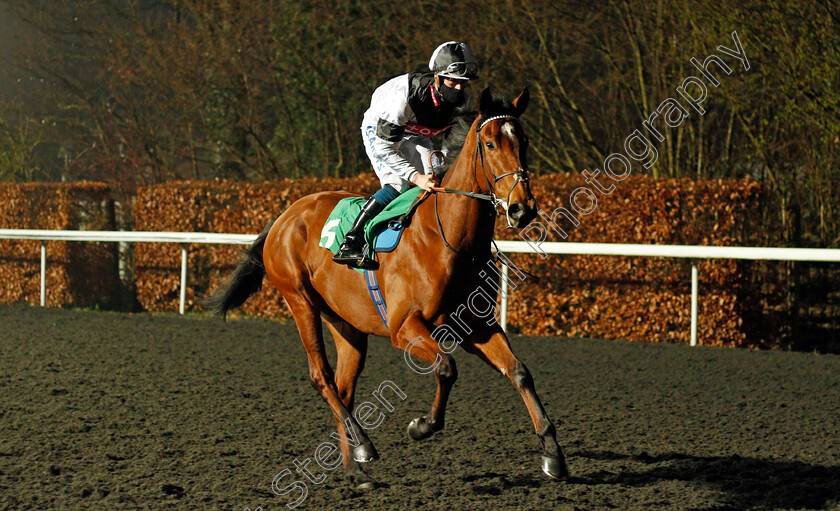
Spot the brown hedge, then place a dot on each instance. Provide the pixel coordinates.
(643, 299)
(78, 274)
(220, 206)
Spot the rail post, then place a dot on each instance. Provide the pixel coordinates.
(183, 279)
(694, 303)
(504, 290)
(43, 273)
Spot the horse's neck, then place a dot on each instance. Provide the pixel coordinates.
(467, 223)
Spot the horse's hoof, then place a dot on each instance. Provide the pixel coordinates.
(364, 453)
(420, 429)
(555, 467)
(361, 480)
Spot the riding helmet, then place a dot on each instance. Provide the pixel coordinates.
(454, 60)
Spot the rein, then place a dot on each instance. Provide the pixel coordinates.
(471, 195)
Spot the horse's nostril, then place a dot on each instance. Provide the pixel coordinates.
(530, 214)
(516, 210)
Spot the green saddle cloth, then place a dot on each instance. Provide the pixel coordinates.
(342, 217)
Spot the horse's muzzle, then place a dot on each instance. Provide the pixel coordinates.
(521, 214)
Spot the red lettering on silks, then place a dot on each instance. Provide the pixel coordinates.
(423, 130)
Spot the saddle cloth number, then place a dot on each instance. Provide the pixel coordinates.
(327, 232)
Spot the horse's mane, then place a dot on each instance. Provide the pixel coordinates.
(456, 136)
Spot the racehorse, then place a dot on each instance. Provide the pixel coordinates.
(424, 281)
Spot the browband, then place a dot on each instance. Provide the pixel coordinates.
(494, 118)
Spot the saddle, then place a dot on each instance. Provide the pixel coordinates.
(383, 232)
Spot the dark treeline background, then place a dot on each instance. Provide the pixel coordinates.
(133, 92)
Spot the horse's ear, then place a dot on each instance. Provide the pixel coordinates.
(521, 102)
(486, 98)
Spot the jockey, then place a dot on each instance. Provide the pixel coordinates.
(405, 113)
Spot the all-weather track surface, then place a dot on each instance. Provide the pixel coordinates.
(118, 411)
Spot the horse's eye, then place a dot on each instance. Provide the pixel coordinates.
(490, 145)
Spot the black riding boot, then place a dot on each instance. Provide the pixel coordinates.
(352, 251)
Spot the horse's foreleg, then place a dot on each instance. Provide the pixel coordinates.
(415, 338)
(351, 345)
(495, 351)
(322, 378)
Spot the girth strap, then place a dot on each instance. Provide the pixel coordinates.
(376, 296)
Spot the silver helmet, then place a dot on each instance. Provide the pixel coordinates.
(454, 60)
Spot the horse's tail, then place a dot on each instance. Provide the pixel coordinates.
(245, 281)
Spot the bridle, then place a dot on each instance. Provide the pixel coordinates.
(520, 174)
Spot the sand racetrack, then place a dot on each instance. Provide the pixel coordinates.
(118, 411)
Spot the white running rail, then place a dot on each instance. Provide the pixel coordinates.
(184, 238)
(615, 249)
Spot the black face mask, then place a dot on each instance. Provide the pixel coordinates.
(454, 96)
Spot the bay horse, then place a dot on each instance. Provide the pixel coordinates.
(424, 281)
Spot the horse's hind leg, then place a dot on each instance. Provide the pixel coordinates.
(351, 345)
(494, 349)
(304, 307)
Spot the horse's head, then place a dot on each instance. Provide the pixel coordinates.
(501, 147)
